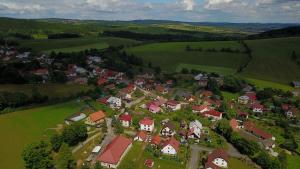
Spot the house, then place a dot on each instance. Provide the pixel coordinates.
(168, 129)
(161, 89)
(251, 128)
(125, 119)
(203, 82)
(199, 76)
(173, 105)
(170, 147)
(169, 83)
(153, 108)
(114, 152)
(242, 116)
(291, 113)
(149, 163)
(257, 108)
(252, 96)
(140, 82)
(268, 144)
(234, 125)
(213, 114)
(140, 136)
(114, 102)
(206, 94)
(74, 118)
(296, 84)
(95, 118)
(146, 124)
(243, 99)
(101, 81)
(217, 159)
(200, 108)
(195, 128)
(191, 98)
(155, 140)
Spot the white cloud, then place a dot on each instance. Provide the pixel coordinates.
(216, 4)
(189, 5)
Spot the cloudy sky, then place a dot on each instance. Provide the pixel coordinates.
(283, 11)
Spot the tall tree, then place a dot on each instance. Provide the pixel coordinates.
(38, 156)
(65, 159)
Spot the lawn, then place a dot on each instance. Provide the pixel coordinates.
(272, 60)
(170, 55)
(74, 43)
(210, 69)
(293, 162)
(238, 164)
(137, 155)
(24, 127)
(264, 84)
(50, 90)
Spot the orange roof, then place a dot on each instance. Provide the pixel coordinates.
(97, 116)
(234, 124)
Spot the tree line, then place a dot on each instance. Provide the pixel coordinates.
(188, 48)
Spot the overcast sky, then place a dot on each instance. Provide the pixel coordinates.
(283, 11)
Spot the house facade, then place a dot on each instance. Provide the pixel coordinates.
(147, 124)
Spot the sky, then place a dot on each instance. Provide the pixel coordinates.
(259, 11)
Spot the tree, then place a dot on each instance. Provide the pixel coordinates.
(184, 71)
(56, 141)
(65, 159)
(157, 70)
(224, 128)
(283, 159)
(74, 133)
(38, 156)
(233, 84)
(212, 85)
(98, 165)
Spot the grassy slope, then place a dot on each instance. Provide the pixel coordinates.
(51, 90)
(170, 55)
(55, 44)
(238, 164)
(24, 127)
(272, 60)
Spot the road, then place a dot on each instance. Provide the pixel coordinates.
(137, 101)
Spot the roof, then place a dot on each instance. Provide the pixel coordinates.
(296, 83)
(96, 149)
(199, 108)
(172, 102)
(146, 121)
(207, 93)
(142, 135)
(211, 165)
(101, 81)
(218, 153)
(149, 163)
(159, 88)
(154, 108)
(97, 116)
(172, 142)
(170, 125)
(114, 150)
(125, 117)
(213, 113)
(257, 106)
(252, 128)
(233, 124)
(156, 140)
(251, 95)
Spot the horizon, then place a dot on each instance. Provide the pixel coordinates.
(216, 11)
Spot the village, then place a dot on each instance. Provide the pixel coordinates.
(188, 120)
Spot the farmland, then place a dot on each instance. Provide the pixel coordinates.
(24, 127)
(170, 55)
(73, 45)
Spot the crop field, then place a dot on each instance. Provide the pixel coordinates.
(75, 44)
(170, 55)
(272, 60)
(24, 127)
(50, 90)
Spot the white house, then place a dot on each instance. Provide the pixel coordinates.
(170, 147)
(168, 129)
(257, 108)
(114, 102)
(195, 128)
(218, 158)
(173, 105)
(125, 119)
(243, 99)
(147, 124)
(75, 117)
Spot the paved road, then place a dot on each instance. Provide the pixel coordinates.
(194, 160)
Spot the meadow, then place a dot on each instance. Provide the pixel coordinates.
(24, 127)
(50, 90)
(169, 56)
(272, 60)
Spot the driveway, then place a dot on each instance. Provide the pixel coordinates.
(194, 160)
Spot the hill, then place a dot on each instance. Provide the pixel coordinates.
(277, 33)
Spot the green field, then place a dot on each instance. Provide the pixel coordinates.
(272, 60)
(23, 127)
(50, 90)
(80, 48)
(238, 164)
(293, 162)
(265, 84)
(75, 44)
(211, 69)
(169, 56)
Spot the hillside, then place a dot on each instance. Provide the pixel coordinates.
(276, 33)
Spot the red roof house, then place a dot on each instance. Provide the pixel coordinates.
(95, 118)
(149, 163)
(200, 108)
(170, 146)
(250, 127)
(215, 115)
(156, 140)
(101, 81)
(217, 159)
(125, 119)
(234, 124)
(114, 151)
(140, 136)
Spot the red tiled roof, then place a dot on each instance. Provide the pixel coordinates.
(243, 114)
(97, 116)
(173, 142)
(285, 107)
(159, 88)
(234, 124)
(207, 93)
(211, 165)
(142, 135)
(213, 113)
(114, 150)
(218, 153)
(156, 140)
(251, 95)
(249, 126)
(257, 106)
(125, 117)
(199, 108)
(101, 81)
(146, 121)
(172, 102)
(149, 163)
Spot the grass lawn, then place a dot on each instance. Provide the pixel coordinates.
(137, 156)
(24, 127)
(230, 96)
(272, 60)
(170, 55)
(238, 164)
(264, 84)
(211, 69)
(293, 162)
(50, 90)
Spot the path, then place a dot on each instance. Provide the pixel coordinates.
(194, 160)
(85, 142)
